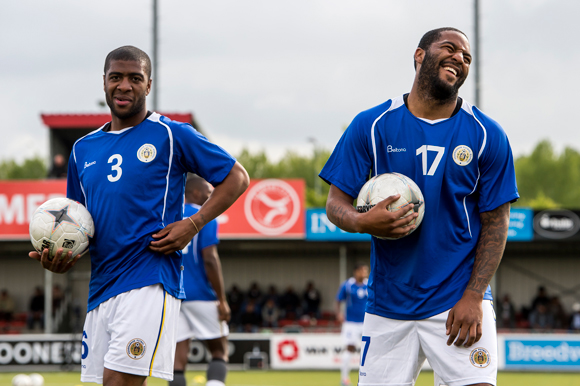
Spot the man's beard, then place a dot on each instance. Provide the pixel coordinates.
(432, 86)
(138, 106)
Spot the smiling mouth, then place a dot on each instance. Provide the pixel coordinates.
(451, 70)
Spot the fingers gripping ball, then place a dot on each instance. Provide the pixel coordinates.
(61, 223)
(382, 186)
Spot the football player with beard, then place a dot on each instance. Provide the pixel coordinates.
(429, 295)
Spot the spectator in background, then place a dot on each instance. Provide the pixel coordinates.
(541, 319)
(250, 318)
(311, 298)
(271, 294)
(58, 168)
(270, 313)
(235, 300)
(575, 318)
(36, 309)
(541, 298)
(507, 313)
(255, 293)
(290, 304)
(557, 310)
(57, 298)
(6, 306)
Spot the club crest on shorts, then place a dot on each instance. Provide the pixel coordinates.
(479, 357)
(462, 155)
(136, 348)
(146, 153)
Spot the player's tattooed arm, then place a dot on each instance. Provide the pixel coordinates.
(464, 322)
(490, 247)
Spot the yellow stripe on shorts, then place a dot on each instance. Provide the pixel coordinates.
(160, 332)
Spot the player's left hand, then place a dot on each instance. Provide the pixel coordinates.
(173, 237)
(465, 319)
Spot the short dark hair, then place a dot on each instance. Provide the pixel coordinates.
(129, 53)
(359, 265)
(432, 36)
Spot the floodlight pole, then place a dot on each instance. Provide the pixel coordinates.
(155, 64)
(476, 53)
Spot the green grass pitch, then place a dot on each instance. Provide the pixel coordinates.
(310, 378)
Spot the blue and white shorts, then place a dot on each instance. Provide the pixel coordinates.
(393, 352)
(133, 332)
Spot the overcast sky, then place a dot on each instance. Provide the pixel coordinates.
(272, 74)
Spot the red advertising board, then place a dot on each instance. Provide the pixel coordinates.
(269, 208)
(19, 200)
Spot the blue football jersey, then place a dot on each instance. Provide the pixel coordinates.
(132, 182)
(355, 297)
(195, 282)
(463, 165)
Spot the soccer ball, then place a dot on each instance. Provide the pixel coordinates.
(21, 380)
(37, 379)
(61, 223)
(384, 185)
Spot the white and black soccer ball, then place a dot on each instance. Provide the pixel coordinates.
(21, 380)
(382, 186)
(61, 223)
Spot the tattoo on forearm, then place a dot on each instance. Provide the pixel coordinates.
(490, 247)
(337, 213)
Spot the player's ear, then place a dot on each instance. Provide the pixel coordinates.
(419, 56)
(149, 86)
(104, 84)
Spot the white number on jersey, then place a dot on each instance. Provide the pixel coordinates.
(115, 167)
(423, 151)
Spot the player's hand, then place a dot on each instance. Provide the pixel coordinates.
(224, 312)
(379, 221)
(174, 237)
(340, 317)
(55, 265)
(465, 320)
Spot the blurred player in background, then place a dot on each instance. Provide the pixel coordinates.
(429, 294)
(130, 175)
(353, 292)
(204, 311)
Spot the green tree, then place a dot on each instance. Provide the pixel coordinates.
(549, 180)
(30, 169)
(292, 165)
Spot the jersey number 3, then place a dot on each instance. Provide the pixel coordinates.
(115, 167)
(423, 151)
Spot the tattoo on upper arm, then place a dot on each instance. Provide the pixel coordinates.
(490, 247)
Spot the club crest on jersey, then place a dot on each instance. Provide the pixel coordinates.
(479, 357)
(146, 153)
(462, 155)
(136, 348)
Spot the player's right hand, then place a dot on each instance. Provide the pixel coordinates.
(55, 265)
(340, 317)
(379, 221)
(224, 312)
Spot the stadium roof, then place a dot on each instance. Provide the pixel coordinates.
(94, 121)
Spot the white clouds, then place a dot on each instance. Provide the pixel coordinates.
(271, 74)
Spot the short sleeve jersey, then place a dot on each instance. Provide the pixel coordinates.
(355, 297)
(195, 281)
(132, 182)
(463, 166)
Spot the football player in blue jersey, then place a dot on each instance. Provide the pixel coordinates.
(353, 292)
(204, 311)
(130, 174)
(429, 295)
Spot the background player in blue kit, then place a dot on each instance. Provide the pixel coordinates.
(130, 174)
(353, 292)
(429, 293)
(204, 311)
